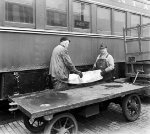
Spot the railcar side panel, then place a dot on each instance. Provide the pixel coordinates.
(25, 51)
(22, 51)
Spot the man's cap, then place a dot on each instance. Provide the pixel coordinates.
(64, 39)
(102, 46)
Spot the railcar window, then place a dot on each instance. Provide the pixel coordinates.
(146, 30)
(119, 22)
(19, 11)
(146, 20)
(56, 11)
(135, 20)
(81, 15)
(103, 20)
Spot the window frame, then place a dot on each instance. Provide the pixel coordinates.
(72, 21)
(131, 34)
(20, 24)
(59, 28)
(143, 16)
(115, 33)
(136, 15)
(1, 13)
(105, 32)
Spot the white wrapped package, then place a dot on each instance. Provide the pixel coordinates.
(88, 77)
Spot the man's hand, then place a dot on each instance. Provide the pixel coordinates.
(94, 68)
(103, 73)
(80, 74)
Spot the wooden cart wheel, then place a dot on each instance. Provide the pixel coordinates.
(62, 124)
(131, 107)
(37, 125)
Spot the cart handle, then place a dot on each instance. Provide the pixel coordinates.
(138, 71)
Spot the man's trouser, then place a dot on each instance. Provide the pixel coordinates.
(59, 85)
(108, 77)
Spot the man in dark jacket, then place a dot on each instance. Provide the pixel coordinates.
(61, 65)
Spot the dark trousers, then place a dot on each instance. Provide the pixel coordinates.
(59, 85)
(108, 77)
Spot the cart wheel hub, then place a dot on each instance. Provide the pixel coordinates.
(64, 131)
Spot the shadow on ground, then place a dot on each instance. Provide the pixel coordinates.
(7, 117)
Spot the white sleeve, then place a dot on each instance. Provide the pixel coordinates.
(111, 64)
(96, 60)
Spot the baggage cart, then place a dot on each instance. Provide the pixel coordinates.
(53, 113)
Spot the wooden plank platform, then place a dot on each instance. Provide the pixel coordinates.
(43, 103)
(17, 127)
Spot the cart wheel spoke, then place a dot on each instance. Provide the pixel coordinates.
(134, 106)
(33, 123)
(60, 124)
(70, 127)
(56, 129)
(65, 122)
(39, 123)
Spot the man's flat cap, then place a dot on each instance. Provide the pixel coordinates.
(64, 39)
(102, 47)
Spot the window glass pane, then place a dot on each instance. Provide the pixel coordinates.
(119, 22)
(19, 11)
(146, 30)
(135, 20)
(146, 20)
(104, 20)
(56, 11)
(81, 13)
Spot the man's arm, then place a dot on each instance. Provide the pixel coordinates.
(68, 62)
(94, 66)
(111, 64)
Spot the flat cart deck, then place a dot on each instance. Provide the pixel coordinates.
(44, 105)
